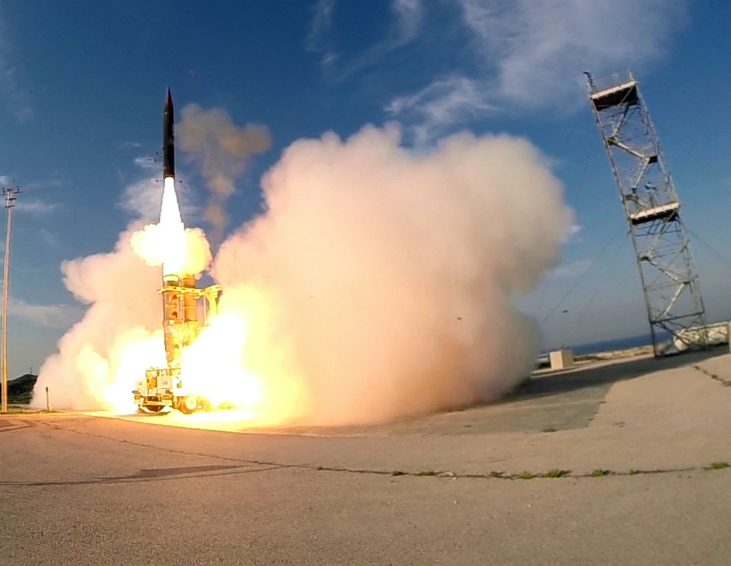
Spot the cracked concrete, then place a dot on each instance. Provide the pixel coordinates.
(632, 457)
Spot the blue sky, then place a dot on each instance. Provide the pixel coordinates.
(82, 86)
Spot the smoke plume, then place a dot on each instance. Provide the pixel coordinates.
(390, 275)
(123, 311)
(376, 284)
(103, 355)
(222, 150)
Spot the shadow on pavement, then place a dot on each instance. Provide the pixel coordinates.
(606, 373)
(159, 474)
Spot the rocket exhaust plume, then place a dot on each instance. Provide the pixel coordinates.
(376, 284)
(389, 277)
(222, 150)
(120, 337)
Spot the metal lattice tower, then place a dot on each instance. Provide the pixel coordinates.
(667, 272)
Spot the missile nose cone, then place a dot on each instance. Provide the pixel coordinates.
(169, 100)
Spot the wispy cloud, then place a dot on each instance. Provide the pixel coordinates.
(443, 103)
(50, 238)
(36, 207)
(530, 54)
(13, 95)
(143, 196)
(574, 269)
(15, 98)
(44, 184)
(146, 162)
(574, 235)
(407, 16)
(319, 24)
(536, 50)
(48, 316)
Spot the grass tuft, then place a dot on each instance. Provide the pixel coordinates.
(549, 429)
(719, 465)
(556, 473)
(426, 473)
(598, 473)
(526, 475)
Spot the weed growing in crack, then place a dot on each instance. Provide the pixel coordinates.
(398, 473)
(556, 473)
(719, 466)
(526, 475)
(426, 473)
(495, 474)
(598, 473)
(549, 429)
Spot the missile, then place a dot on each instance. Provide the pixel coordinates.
(168, 142)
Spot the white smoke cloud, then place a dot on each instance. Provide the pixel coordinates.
(390, 276)
(377, 284)
(124, 308)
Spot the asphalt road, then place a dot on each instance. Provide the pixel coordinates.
(80, 490)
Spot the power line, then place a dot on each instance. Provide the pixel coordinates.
(583, 275)
(603, 282)
(710, 248)
(693, 156)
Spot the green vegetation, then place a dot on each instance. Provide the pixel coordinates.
(398, 473)
(634, 472)
(526, 475)
(719, 465)
(549, 429)
(426, 473)
(598, 473)
(556, 473)
(20, 390)
(495, 474)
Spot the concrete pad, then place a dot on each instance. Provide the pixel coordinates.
(82, 497)
(87, 490)
(668, 419)
(718, 368)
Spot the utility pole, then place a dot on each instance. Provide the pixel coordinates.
(10, 196)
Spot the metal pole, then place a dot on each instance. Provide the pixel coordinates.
(48, 399)
(9, 204)
(5, 311)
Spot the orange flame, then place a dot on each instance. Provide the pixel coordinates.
(214, 366)
(168, 243)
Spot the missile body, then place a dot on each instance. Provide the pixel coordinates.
(168, 142)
